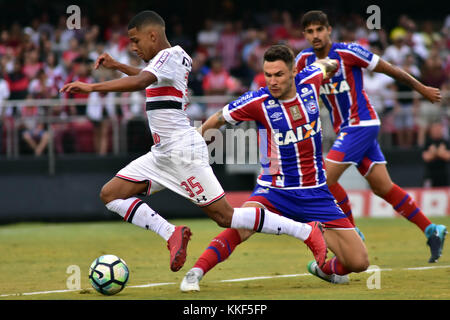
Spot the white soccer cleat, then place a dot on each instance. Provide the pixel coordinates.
(334, 278)
(191, 280)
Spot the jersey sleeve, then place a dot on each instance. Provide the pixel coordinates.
(242, 109)
(356, 55)
(161, 66)
(312, 74)
(300, 61)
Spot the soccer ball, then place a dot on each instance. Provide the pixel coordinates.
(108, 274)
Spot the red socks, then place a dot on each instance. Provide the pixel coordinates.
(218, 250)
(397, 197)
(334, 266)
(406, 206)
(342, 199)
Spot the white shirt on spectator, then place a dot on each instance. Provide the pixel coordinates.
(209, 39)
(96, 104)
(4, 90)
(376, 86)
(396, 55)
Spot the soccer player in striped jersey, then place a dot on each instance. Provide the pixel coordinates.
(292, 182)
(357, 124)
(178, 160)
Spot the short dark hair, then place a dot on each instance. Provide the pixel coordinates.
(313, 17)
(280, 52)
(145, 18)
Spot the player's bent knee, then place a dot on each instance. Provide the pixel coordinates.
(359, 264)
(361, 267)
(106, 194)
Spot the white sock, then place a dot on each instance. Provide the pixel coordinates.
(137, 212)
(262, 220)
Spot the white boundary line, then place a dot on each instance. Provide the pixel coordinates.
(369, 270)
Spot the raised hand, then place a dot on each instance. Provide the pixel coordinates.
(106, 61)
(76, 87)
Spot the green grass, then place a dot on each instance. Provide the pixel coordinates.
(35, 257)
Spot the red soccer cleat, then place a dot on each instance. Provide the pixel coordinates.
(177, 245)
(316, 243)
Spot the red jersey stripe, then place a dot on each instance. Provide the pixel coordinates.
(163, 91)
(354, 112)
(337, 118)
(305, 147)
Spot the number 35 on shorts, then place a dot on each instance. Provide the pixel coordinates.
(193, 188)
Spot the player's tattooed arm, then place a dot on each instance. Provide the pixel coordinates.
(430, 93)
(214, 122)
(330, 66)
(220, 118)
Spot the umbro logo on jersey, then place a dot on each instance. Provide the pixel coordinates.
(276, 116)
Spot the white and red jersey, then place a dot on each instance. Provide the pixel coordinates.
(179, 157)
(290, 135)
(344, 94)
(166, 99)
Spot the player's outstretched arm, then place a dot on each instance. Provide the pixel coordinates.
(127, 84)
(329, 65)
(108, 62)
(214, 122)
(431, 94)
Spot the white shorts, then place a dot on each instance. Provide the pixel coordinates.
(184, 171)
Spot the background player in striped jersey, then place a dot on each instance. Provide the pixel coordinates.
(179, 158)
(292, 180)
(356, 123)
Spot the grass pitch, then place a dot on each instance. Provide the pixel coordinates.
(36, 257)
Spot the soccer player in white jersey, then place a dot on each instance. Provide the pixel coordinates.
(179, 158)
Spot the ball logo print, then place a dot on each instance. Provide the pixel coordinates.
(108, 274)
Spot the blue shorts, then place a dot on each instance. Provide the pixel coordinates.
(359, 146)
(303, 205)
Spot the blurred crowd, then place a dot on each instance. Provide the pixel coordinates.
(36, 60)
